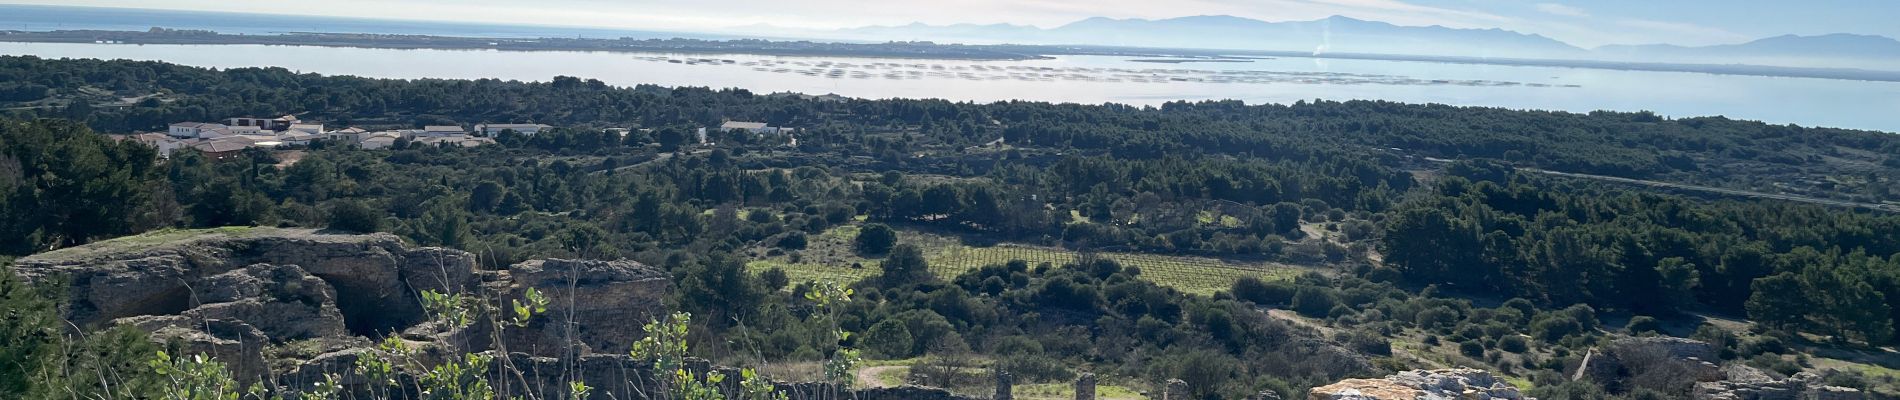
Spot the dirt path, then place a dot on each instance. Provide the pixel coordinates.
(867, 376)
(1397, 351)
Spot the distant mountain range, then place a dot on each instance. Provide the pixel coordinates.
(1836, 50)
(1335, 34)
(1347, 35)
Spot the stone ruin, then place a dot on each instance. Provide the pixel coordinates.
(1175, 389)
(1085, 386)
(1447, 384)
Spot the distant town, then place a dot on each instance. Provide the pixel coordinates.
(229, 138)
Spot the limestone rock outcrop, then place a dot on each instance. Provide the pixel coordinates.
(595, 303)
(374, 277)
(298, 306)
(295, 304)
(1447, 384)
(1748, 384)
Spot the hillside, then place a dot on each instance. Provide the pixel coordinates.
(1823, 51)
(1213, 249)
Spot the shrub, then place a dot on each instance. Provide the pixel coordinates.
(876, 239)
(1261, 292)
(793, 241)
(1556, 327)
(775, 279)
(1643, 324)
(1514, 344)
(354, 216)
(1437, 317)
(1369, 343)
(1313, 301)
(1471, 349)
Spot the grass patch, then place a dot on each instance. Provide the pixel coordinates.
(1066, 391)
(830, 255)
(892, 377)
(148, 240)
(1521, 383)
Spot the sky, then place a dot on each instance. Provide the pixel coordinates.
(1583, 23)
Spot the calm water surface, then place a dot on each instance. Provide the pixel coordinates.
(1089, 79)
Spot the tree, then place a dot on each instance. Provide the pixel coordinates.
(354, 216)
(718, 287)
(905, 265)
(876, 239)
(486, 196)
(444, 224)
(671, 139)
(888, 339)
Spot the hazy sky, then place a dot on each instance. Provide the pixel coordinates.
(1584, 23)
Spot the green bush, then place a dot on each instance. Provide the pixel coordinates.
(794, 240)
(1643, 324)
(1471, 349)
(354, 216)
(1313, 301)
(1514, 344)
(888, 339)
(1277, 293)
(876, 239)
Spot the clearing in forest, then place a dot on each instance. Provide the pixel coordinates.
(831, 256)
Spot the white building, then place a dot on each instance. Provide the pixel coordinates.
(492, 130)
(192, 130)
(273, 124)
(215, 133)
(346, 135)
(299, 139)
(247, 130)
(439, 131)
(221, 149)
(163, 142)
(378, 142)
(313, 129)
(753, 127)
(457, 140)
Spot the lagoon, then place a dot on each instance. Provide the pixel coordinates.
(1088, 79)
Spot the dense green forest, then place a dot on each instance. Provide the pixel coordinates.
(1473, 253)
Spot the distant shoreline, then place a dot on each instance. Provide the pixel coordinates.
(890, 50)
(904, 50)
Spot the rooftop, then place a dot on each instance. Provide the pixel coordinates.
(742, 125)
(220, 146)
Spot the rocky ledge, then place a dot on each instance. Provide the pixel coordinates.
(1442, 384)
(290, 304)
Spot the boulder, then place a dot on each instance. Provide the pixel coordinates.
(600, 304)
(238, 345)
